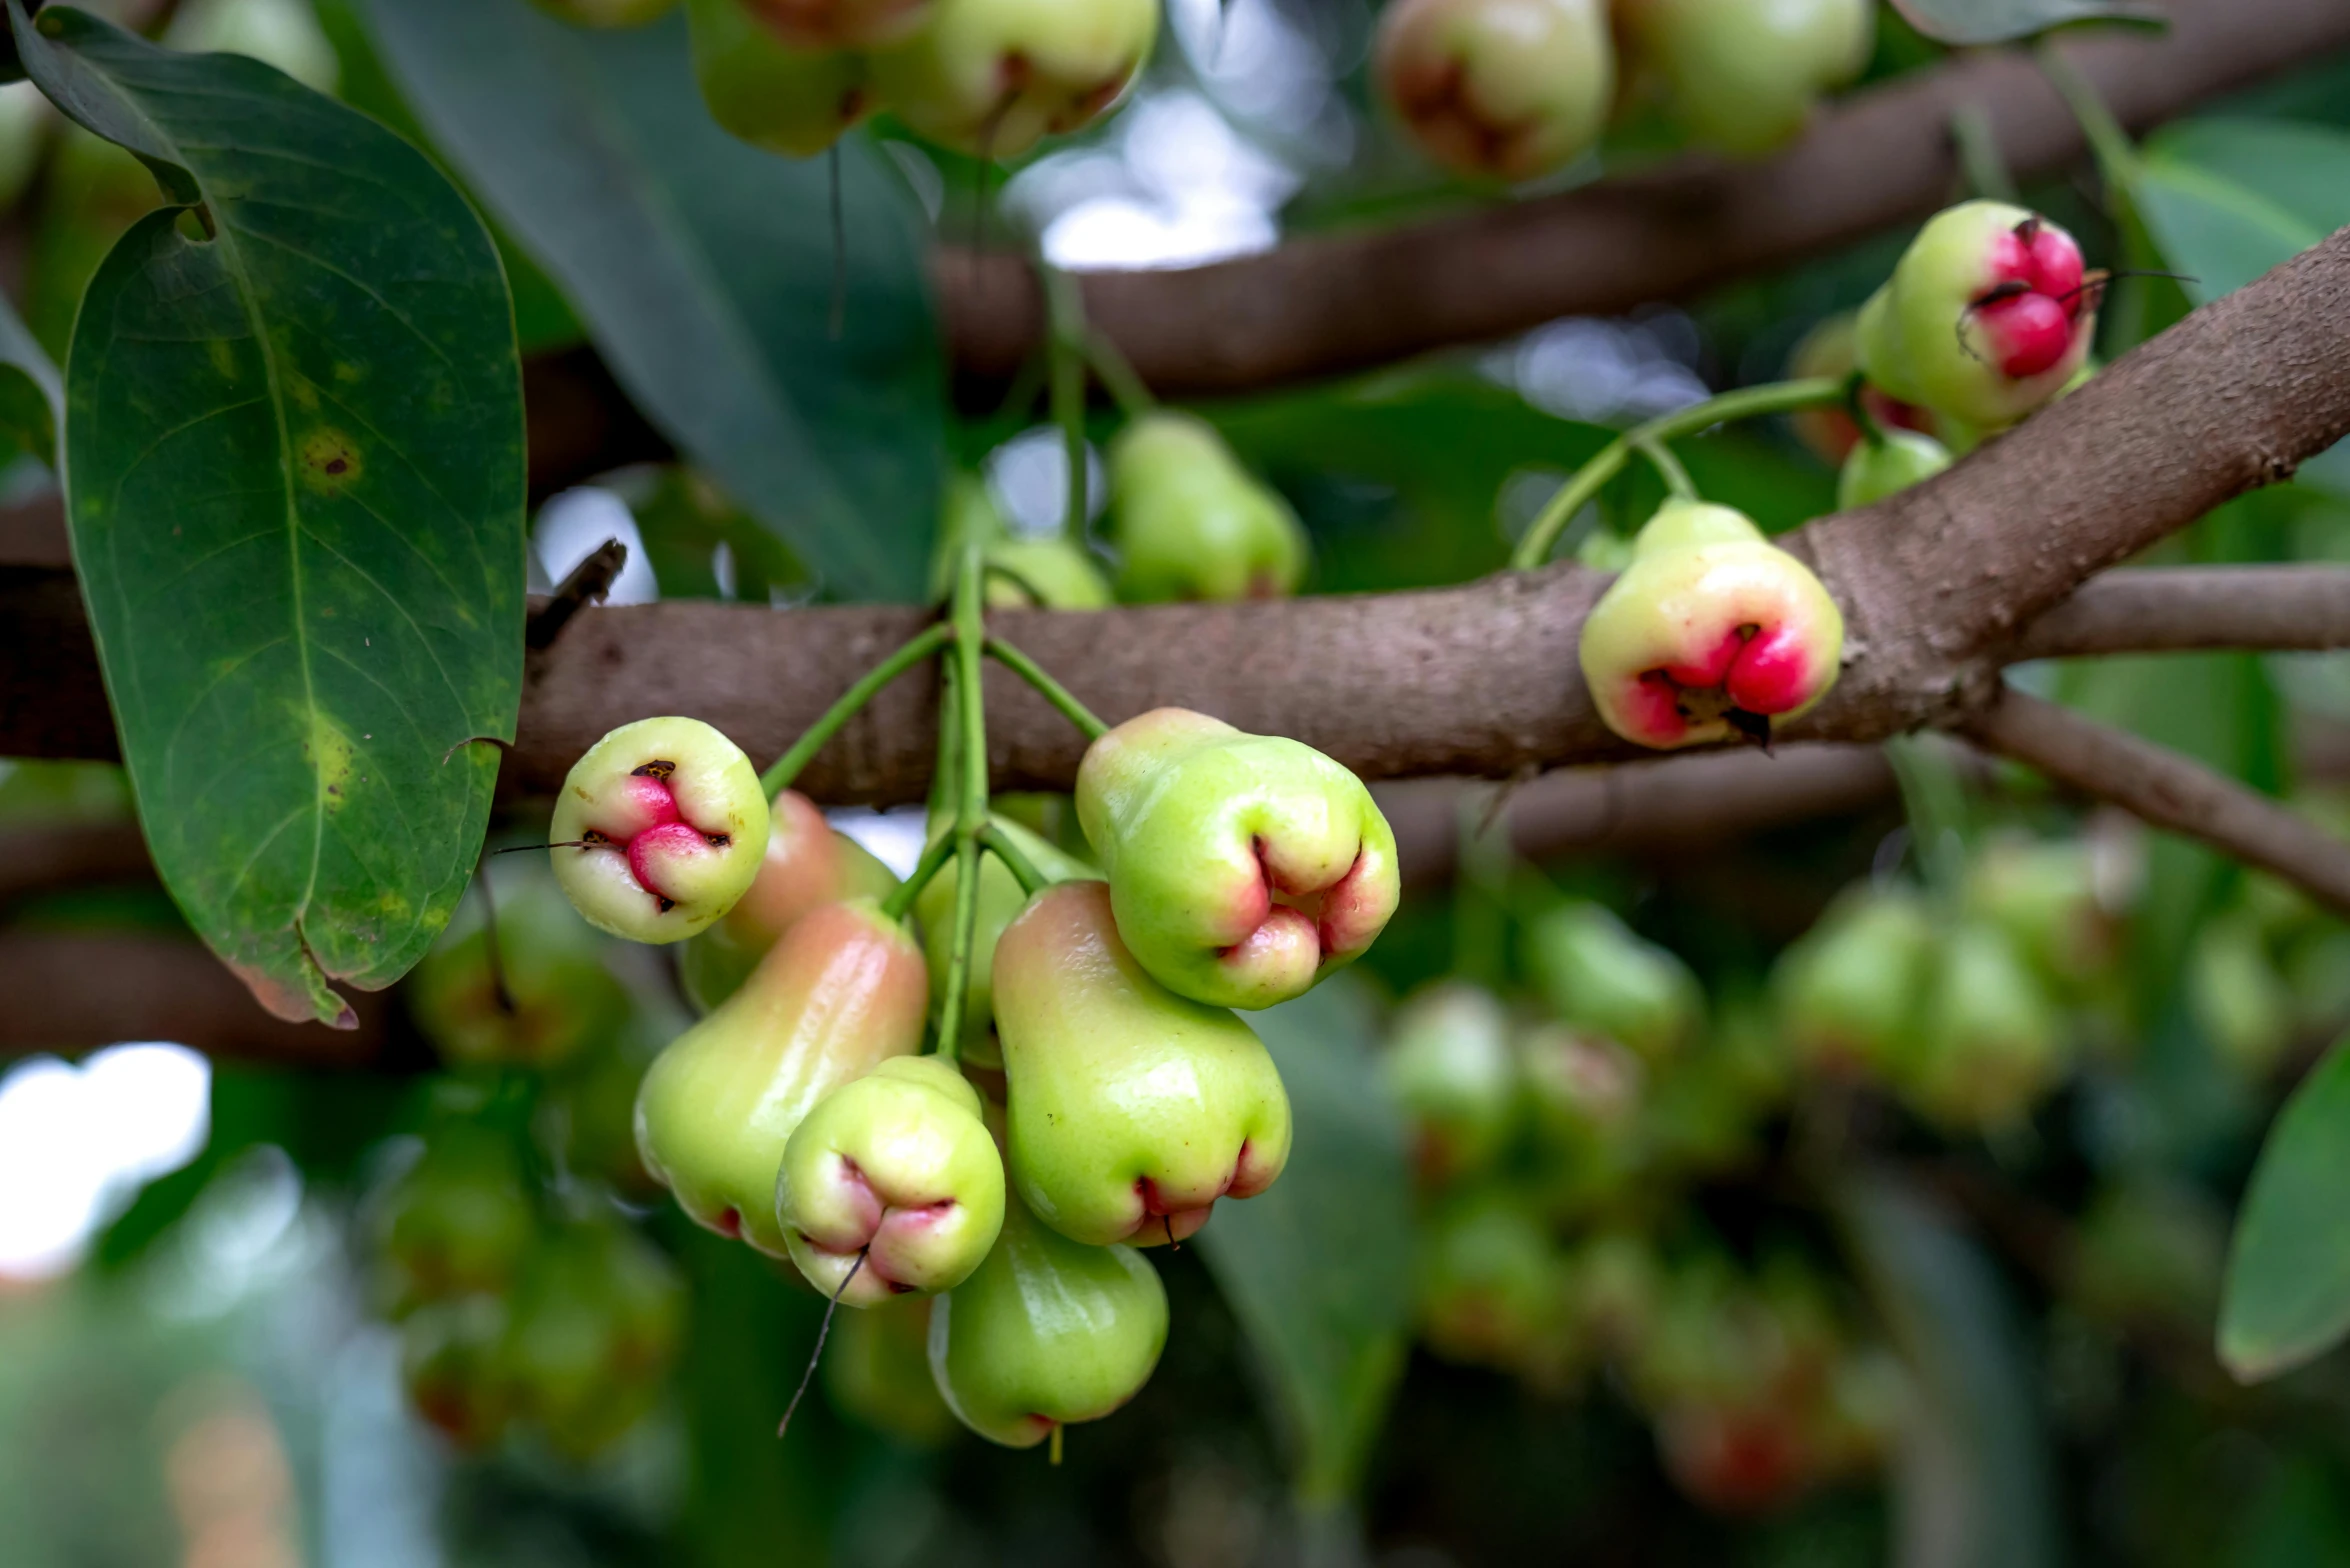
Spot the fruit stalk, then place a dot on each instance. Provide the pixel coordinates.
(969, 707)
(1776, 397)
(1051, 690)
(787, 767)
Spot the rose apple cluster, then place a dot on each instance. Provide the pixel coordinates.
(1510, 90)
(1100, 1094)
(1559, 1137)
(985, 77)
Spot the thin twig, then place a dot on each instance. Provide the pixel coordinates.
(823, 1333)
(590, 579)
(2165, 789)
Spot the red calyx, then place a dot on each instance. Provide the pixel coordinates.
(661, 829)
(2038, 293)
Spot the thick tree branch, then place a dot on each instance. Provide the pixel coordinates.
(2180, 609)
(2166, 790)
(1331, 303)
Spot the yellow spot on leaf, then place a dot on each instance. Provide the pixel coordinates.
(329, 461)
(328, 751)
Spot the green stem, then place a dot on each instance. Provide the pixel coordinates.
(971, 804)
(998, 843)
(1778, 397)
(2117, 155)
(1934, 798)
(1858, 407)
(1066, 345)
(1978, 153)
(1112, 368)
(787, 767)
(934, 859)
(1077, 713)
(1668, 468)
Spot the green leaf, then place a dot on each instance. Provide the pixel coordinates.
(32, 393)
(1318, 1269)
(704, 270)
(294, 477)
(2001, 21)
(2226, 200)
(2287, 1296)
(1973, 1484)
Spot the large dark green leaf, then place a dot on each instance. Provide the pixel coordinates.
(294, 475)
(1974, 1483)
(1318, 1269)
(2226, 200)
(1998, 21)
(704, 269)
(2288, 1286)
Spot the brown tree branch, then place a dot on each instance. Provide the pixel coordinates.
(2179, 609)
(1325, 304)
(2164, 789)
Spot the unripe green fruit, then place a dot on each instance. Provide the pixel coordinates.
(877, 1371)
(1831, 352)
(840, 994)
(1851, 992)
(2237, 995)
(453, 1366)
(1499, 89)
(839, 24)
(1585, 1091)
(1132, 1110)
(596, 1324)
(1494, 1289)
(795, 101)
(607, 13)
(1052, 573)
(898, 1167)
(457, 1222)
(660, 829)
(1988, 316)
(2044, 896)
(1244, 868)
(1000, 903)
(1884, 467)
(1993, 1040)
(1711, 631)
(588, 1114)
(1191, 523)
(993, 77)
(1600, 978)
(1742, 75)
(1048, 1332)
(806, 864)
(546, 998)
(1450, 1067)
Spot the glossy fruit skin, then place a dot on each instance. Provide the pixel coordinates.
(671, 829)
(1450, 1068)
(1132, 1110)
(792, 99)
(459, 1221)
(1988, 315)
(1051, 573)
(1743, 75)
(1850, 993)
(899, 1166)
(1880, 468)
(607, 13)
(1710, 622)
(1498, 89)
(452, 1365)
(1191, 523)
(807, 864)
(559, 1000)
(1000, 903)
(840, 994)
(1047, 1332)
(596, 1324)
(877, 1370)
(1244, 868)
(1993, 1040)
(993, 77)
(1600, 978)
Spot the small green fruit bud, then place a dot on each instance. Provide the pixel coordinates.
(1743, 75)
(993, 77)
(1191, 523)
(1879, 468)
(1450, 1067)
(790, 98)
(1498, 89)
(1601, 979)
(453, 1366)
